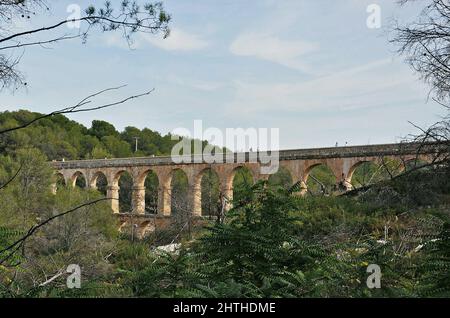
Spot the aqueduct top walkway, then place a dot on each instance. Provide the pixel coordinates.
(341, 160)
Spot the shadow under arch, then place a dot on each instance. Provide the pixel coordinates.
(366, 172)
(150, 181)
(99, 181)
(363, 173)
(208, 182)
(79, 180)
(124, 181)
(179, 189)
(320, 179)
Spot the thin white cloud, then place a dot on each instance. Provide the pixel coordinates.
(178, 40)
(202, 85)
(115, 39)
(271, 48)
(365, 86)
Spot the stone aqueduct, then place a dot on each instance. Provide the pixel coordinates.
(341, 160)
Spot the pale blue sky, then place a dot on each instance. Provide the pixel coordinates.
(311, 68)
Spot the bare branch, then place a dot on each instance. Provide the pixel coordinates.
(14, 247)
(128, 17)
(77, 108)
(11, 179)
(426, 46)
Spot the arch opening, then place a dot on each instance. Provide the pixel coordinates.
(179, 186)
(151, 185)
(79, 180)
(365, 173)
(210, 193)
(320, 180)
(125, 182)
(391, 167)
(101, 183)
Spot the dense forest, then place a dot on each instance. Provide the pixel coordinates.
(272, 243)
(61, 138)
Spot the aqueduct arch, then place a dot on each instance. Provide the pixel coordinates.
(282, 178)
(343, 161)
(197, 188)
(60, 181)
(76, 176)
(95, 176)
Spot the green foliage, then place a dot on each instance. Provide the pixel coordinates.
(98, 152)
(170, 275)
(118, 148)
(321, 180)
(82, 237)
(434, 268)
(29, 195)
(125, 185)
(366, 173)
(151, 193)
(149, 17)
(258, 240)
(242, 182)
(210, 193)
(418, 188)
(280, 179)
(272, 243)
(7, 237)
(102, 129)
(180, 186)
(254, 254)
(60, 138)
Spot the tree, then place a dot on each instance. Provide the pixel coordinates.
(117, 147)
(60, 138)
(87, 144)
(102, 129)
(99, 153)
(24, 198)
(210, 194)
(129, 17)
(256, 252)
(425, 43)
(435, 278)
